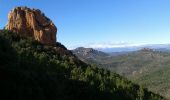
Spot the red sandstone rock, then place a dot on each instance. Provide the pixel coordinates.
(33, 23)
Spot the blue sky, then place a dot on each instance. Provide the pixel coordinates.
(102, 23)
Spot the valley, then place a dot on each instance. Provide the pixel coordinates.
(147, 67)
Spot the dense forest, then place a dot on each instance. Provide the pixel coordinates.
(30, 70)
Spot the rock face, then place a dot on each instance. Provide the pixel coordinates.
(33, 23)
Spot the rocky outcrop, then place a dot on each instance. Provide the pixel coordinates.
(33, 23)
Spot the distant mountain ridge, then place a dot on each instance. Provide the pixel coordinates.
(135, 48)
(88, 53)
(149, 67)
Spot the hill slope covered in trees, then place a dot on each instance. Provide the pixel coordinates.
(32, 71)
(147, 67)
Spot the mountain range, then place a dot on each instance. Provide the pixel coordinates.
(147, 67)
(161, 47)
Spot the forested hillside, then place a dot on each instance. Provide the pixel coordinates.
(33, 71)
(147, 67)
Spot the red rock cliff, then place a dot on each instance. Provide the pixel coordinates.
(33, 23)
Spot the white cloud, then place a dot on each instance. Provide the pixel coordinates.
(107, 45)
(113, 45)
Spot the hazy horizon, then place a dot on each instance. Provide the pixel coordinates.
(102, 23)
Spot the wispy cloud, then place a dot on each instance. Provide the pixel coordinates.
(113, 45)
(106, 45)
